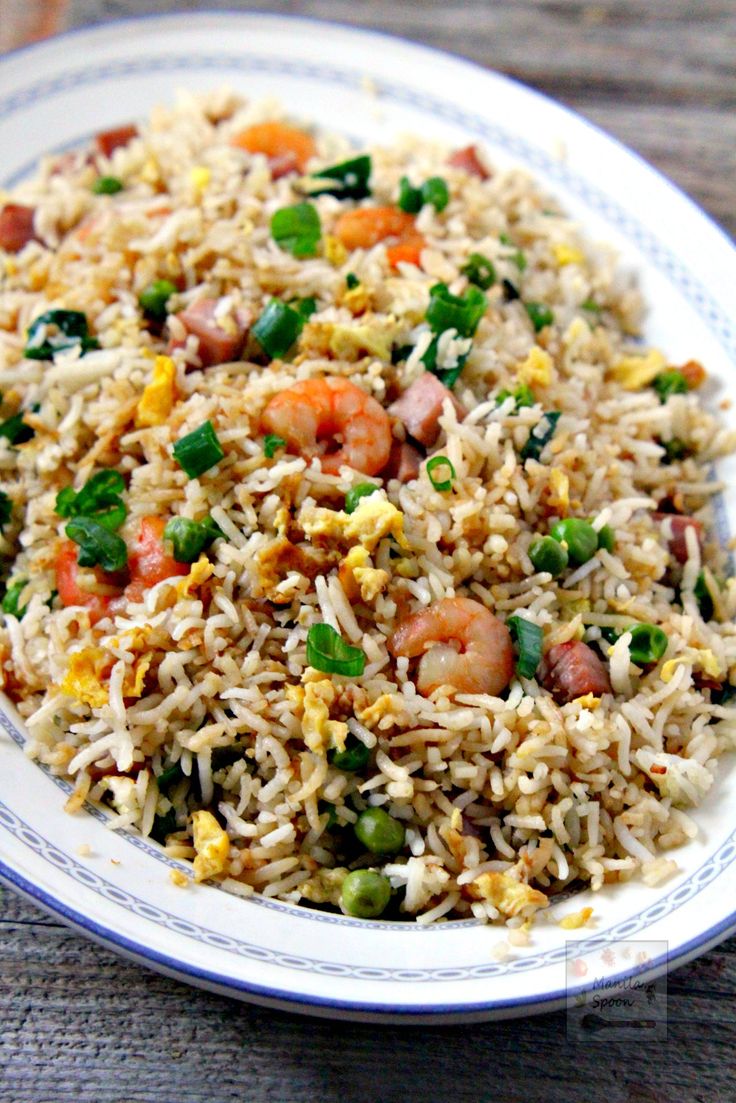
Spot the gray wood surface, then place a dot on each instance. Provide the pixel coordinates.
(78, 1024)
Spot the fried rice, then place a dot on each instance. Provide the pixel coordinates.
(191, 696)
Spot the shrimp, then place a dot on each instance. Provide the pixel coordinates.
(315, 414)
(462, 644)
(364, 227)
(285, 146)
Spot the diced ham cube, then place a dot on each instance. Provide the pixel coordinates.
(674, 527)
(217, 344)
(16, 227)
(573, 670)
(403, 463)
(420, 407)
(282, 165)
(469, 160)
(110, 140)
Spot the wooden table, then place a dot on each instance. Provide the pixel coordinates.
(78, 1024)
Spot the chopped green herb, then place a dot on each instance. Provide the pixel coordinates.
(297, 229)
(522, 396)
(410, 198)
(98, 499)
(703, 596)
(98, 547)
(510, 292)
(107, 185)
(668, 383)
(189, 538)
(400, 353)
(163, 826)
(170, 776)
(305, 307)
(591, 306)
(153, 299)
(278, 328)
(433, 191)
(527, 638)
(15, 430)
(327, 651)
(6, 509)
(198, 451)
(517, 256)
(353, 496)
(480, 271)
(347, 180)
(352, 281)
(11, 599)
(540, 436)
(540, 315)
(459, 312)
(447, 376)
(432, 465)
(674, 450)
(56, 330)
(271, 444)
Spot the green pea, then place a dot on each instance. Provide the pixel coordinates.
(548, 555)
(365, 893)
(353, 496)
(648, 643)
(379, 832)
(107, 185)
(579, 536)
(606, 538)
(153, 299)
(353, 758)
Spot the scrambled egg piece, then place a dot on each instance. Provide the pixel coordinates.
(506, 893)
(83, 677)
(373, 519)
(576, 920)
(636, 372)
(211, 844)
(704, 658)
(357, 299)
(200, 572)
(537, 369)
(335, 252)
(589, 701)
(134, 679)
(158, 396)
(386, 705)
(452, 833)
(373, 336)
(320, 733)
(200, 177)
(560, 486)
(567, 254)
(355, 567)
(325, 887)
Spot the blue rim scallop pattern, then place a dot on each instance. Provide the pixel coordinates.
(656, 252)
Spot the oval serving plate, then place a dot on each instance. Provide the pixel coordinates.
(54, 96)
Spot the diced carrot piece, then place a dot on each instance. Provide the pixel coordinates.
(277, 141)
(366, 226)
(70, 592)
(693, 373)
(408, 250)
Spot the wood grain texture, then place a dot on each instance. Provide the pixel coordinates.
(78, 1024)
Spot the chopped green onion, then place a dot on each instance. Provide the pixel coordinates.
(107, 185)
(517, 256)
(540, 436)
(704, 597)
(154, 298)
(347, 180)
(670, 382)
(547, 554)
(278, 328)
(435, 192)
(540, 315)
(522, 396)
(271, 444)
(410, 198)
(400, 353)
(440, 461)
(578, 536)
(68, 328)
(447, 376)
(189, 538)
(674, 450)
(11, 599)
(509, 291)
(606, 538)
(352, 281)
(353, 496)
(6, 509)
(328, 652)
(591, 306)
(480, 271)
(528, 638)
(459, 312)
(648, 643)
(15, 430)
(170, 776)
(353, 758)
(297, 229)
(98, 499)
(305, 307)
(198, 451)
(98, 547)
(163, 826)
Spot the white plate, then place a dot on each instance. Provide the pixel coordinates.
(56, 95)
